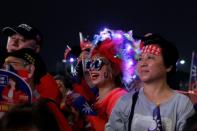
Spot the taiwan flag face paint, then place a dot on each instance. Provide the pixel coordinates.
(152, 49)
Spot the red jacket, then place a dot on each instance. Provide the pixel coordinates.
(48, 88)
(18, 96)
(61, 120)
(104, 109)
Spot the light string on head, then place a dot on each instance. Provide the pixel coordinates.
(127, 49)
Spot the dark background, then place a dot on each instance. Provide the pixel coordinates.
(62, 20)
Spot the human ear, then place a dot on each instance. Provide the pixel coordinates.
(31, 71)
(37, 49)
(169, 69)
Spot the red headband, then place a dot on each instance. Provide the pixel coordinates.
(155, 50)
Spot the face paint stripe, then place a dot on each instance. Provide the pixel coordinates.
(106, 75)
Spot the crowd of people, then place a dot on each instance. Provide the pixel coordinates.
(101, 91)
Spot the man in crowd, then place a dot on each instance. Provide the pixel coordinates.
(27, 36)
(31, 67)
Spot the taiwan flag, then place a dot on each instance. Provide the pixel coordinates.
(157, 119)
(193, 73)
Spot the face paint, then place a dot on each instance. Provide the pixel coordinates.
(106, 75)
(152, 49)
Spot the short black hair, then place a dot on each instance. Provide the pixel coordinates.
(169, 52)
(191, 123)
(30, 116)
(3, 54)
(65, 79)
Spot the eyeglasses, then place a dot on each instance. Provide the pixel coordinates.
(15, 63)
(96, 64)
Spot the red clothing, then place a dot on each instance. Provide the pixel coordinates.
(17, 97)
(61, 120)
(191, 94)
(48, 88)
(84, 90)
(104, 109)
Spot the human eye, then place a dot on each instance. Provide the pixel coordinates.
(12, 37)
(139, 58)
(88, 64)
(16, 63)
(98, 63)
(151, 57)
(22, 40)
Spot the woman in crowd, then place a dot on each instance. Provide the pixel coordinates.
(64, 86)
(156, 106)
(105, 74)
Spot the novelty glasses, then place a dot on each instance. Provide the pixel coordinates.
(96, 64)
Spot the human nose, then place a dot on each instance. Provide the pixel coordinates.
(13, 42)
(88, 64)
(143, 62)
(92, 67)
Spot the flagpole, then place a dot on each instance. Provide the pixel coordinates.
(190, 76)
(83, 58)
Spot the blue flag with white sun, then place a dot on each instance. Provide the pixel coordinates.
(157, 119)
(193, 73)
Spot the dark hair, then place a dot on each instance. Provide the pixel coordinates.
(65, 79)
(3, 53)
(169, 51)
(191, 123)
(29, 116)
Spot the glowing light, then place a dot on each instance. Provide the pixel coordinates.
(117, 36)
(134, 76)
(105, 29)
(130, 63)
(71, 60)
(64, 60)
(182, 62)
(128, 47)
(105, 34)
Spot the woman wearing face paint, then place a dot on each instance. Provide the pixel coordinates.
(156, 107)
(104, 70)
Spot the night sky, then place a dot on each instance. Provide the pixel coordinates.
(62, 20)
